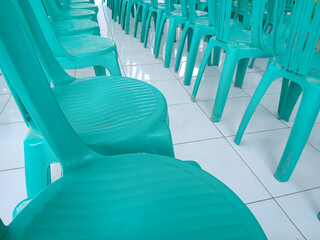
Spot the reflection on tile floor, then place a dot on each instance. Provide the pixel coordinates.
(285, 210)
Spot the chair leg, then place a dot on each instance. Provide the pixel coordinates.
(181, 47)
(194, 48)
(284, 89)
(143, 23)
(253, 60)
(112, 64)
(241, 72)
(224, 85)
(263, 86)
(206, 55)
(170, 41)
(127, 23)
(301, 130)
(290, 101)
(216, 56)
(147, 28)
(100, 71)
(159, 31)
(124, 11)
(190, 35)
(38, 157)
(136, 20)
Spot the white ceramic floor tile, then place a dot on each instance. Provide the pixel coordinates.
(173, 91)
(84, 72)
(302, 208)
(261, 63)
(208, 88)
(152, 72)
(71, 72)
(138, 57)
(4, 89)
(314, 138)
(189, 123)
(274, 222)
(3, 101)
(13, 191)
(233, 113)
(11, 145)
(209, 71)
(11, 113)
(262, 152)
(218, 158)
(251, 81)
(255, 68)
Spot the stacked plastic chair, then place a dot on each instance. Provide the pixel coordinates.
(239, 45)
(77, 51)
(300, 65)
(113, 115)
(57, 11)
(143, 8)
(134, 196)
(177, 17)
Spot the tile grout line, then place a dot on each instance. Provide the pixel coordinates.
(290, 219)
(10, 169)
(273, 198)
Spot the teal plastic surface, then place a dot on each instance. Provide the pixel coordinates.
(300, 65)
(133, 196)
(113, 115)
(177, 17)
(239, 45)
(77, 51)
(57, 11)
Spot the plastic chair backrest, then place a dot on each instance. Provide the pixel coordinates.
(192, 11)
(52, 8)
(303, 36)
(32, 87)
(43, 20)
(220, 13)
(289, 5)
(169, 6)
(220, 17)
(54, 71)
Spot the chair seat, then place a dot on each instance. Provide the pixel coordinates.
(243, 37)
(87, 45)
(79, 1)
(136, 196)
(88, 6)
(77, 13)
(72, 27)
(106, 111)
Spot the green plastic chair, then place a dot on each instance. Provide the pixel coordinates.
(78, 51)
(240, 46)
(202, 5)
(155, 11)
(75, 27)
(299, 64)
(81, 1)
(72, 5)
(177, 17)
(126, 10)
(58, 12)
(134, 196)
(196, 28)
(113, 115)
(143, 7)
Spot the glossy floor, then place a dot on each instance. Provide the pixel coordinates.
(285, 210)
